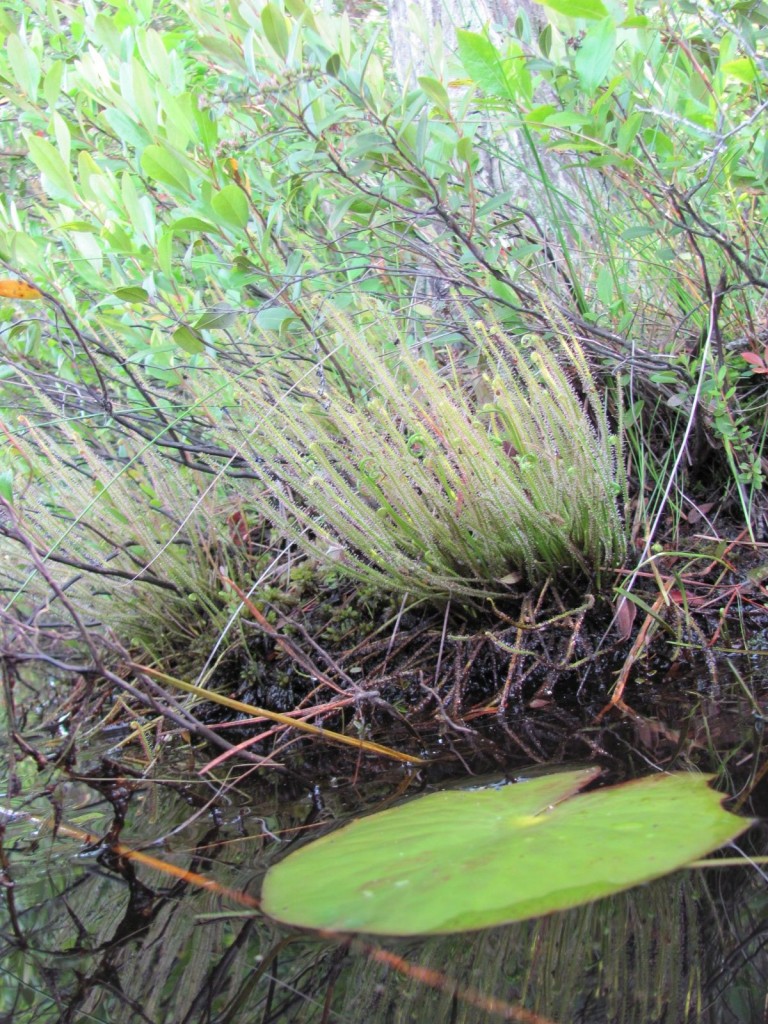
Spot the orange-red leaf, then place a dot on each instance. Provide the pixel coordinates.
(757, 362)
(10, 289)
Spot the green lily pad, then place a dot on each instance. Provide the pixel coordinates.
(460, 860)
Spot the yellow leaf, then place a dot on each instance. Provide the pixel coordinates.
(18, 290)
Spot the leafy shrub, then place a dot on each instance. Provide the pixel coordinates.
(196, 197)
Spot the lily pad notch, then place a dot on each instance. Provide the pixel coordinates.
(458, 861)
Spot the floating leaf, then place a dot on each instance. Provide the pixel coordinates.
(10, 289)
(466, 859)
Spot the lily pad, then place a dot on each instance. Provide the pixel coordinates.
(460, 860)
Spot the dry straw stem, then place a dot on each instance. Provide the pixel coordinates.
(111, 529)
(429, 484)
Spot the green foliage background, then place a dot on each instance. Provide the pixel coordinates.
(200, 191)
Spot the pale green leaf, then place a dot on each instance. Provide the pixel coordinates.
(161, 165)
(131, 293)
(25, 66)
(604, 285)
(188, 340)
(6, 485)
(192, 223)
(181, 125)
(482, 62)
(144, 97)
(231, 205)
(217, 318)
(437, 92)
(626, 134)
(52, 82)
(275, 29)
(165, 251)
(464, 149)
(742, 69)
(156, 55)
(629, 234)
(273, 317)
(591, 9)
(300, 10)
(466, 859)
(49, 162)
(567, 119)
(139, 209)
(125, 128)
(63, 137)
(594, 57)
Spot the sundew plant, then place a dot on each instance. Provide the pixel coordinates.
(423, 482)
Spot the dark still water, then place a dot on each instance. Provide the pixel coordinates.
(89, 934)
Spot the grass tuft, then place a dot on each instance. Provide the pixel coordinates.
(443, 487)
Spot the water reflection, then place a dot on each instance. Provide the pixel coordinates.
(88, 934)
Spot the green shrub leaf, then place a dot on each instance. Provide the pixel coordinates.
(192, 223)
(50, 163)
(161, 165)
(591, 9)
(595, 55)
(216, 319)
(273, 317)
(24, 64)
(131, 293)
(482, 62)
(189, 340)
(6, 485)
(437, 92)
(275, 29)
(231, 205)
